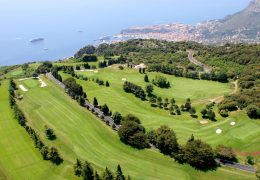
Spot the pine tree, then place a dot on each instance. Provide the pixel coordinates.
(107, 175)
(146, 79)
(87, 171)
(119, 174)
(107, 84)
(95, 102)
(77, 168)
(96, 176)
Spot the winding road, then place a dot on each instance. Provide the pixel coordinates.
(206, 68)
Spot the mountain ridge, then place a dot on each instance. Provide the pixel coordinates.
(243, 26)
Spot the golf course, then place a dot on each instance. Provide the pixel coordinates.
(81, 135)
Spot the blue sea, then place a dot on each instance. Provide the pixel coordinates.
(67, 25)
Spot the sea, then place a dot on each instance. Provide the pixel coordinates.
(68, 25)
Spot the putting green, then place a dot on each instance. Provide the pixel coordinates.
(80, 134)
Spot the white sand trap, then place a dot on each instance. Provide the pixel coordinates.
(233, 123)
(219, 131)
(123, 79)
(96, 71)
(23, 88)
(204, 122)
(43, 84)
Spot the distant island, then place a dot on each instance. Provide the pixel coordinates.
(36, 40)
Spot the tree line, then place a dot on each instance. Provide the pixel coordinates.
(46, 152)
(135, 89)
(86, 171)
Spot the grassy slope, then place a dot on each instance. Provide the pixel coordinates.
(80, 134)
(18, 157)
(244, 136)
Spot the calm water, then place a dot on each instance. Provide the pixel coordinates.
(67, 25)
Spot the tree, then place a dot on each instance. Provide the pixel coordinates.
(133, 134)
(87, 171)
(159, 102)
(107, 175)
(105, 109)
(95, 102)
(192, 111)
(225, 153)
(146, 79)
(140, 70)
(81, 101)
(172, 101)
(49, 133)
(53, 155)
(166, 140)
(96, 176)
(107, 84)
(44, 152)
(166, 102)
(253, 111)
(119, 174)
(152, 100)
(25, 66)
(77, 168)
(149, 89)
(143, 70)
(187, 105)
(204, 112)
(131, 117)
(161, 82)
(117, 117)
(250, 160)
(199, 154)
(211, 114)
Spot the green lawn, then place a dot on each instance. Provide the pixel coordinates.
(80, 134)
(18, 157)
(244, 136)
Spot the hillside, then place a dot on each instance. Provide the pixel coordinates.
(243, 26)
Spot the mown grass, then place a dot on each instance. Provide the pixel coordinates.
(244, 136)
(81, 135)
(18, 157)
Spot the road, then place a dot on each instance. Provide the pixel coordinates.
(237, 165)
(107, 119)
(206, 68)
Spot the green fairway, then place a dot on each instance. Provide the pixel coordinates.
(243, 136)
(80, 134)
(18, 157)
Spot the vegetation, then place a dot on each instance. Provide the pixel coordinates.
(135, 89)
(161, 82)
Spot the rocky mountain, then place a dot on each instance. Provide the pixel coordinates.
(243, 26)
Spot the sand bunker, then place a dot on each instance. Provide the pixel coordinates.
(43, 84)
(204, 122)
(123, 79)
(233, 123)
(23, 88)
(219, 131)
